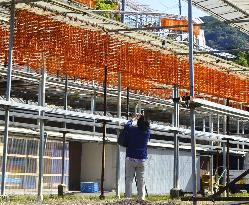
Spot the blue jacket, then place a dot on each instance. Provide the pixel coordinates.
(137, 141)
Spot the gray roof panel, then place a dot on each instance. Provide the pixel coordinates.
(227, 10)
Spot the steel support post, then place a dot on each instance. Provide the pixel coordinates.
(127, 103)
(211, 130)
(228, 166)
(175, 190)
(238, 132)
(243, 128)
(123, 2)
(180, 13)
(192, 110)
(242, 123)
(41, 142)
(224, 153)
(8, 91)
(136, 20)
(64, 132)
(224, 162)
(238, 126)
(218, 124)
(93, 100)
(102, 196)
(224, 125)
(180, 7)
(139, 106)
(228, 145)
(203, 124)
(118, 147)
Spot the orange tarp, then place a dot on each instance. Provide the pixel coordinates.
(175, 22)
(83, 53)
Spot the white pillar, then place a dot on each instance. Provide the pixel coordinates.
(93, 100)
(203, 124)
(224, 153)
(41, 142)
(118, 147)
(176, 140)
(218, 124)
(211, 130)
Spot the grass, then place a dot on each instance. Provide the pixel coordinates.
(32, 199)
(27, 199)
(158, 197)
(240, 195)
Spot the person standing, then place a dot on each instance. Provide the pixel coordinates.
(136, 154)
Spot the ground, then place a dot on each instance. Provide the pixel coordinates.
(82, 200)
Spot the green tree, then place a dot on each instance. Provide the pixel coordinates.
(224, 37)
(107, 5)
(242, 59)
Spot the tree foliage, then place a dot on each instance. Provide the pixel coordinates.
(242, 59)
(224, 37)
(107, 5)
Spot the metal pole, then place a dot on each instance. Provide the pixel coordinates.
(238, 127)
(228, 120)
(118, 147)
(243, 128)
(127, 103)
(228, 166)
(136, 20)
(102, 196)
(41, 142)
(224, 162)
(217, 159)
(238, 132)
(176, 140)
(242, 122)
(180, 7)
(139, 106)
(180, 13)
(64, 132)
(211, 130)
(227, 157)
(192, 111)
(8, 91)
(123, 9)
(204, 124)
(224, 156)
(218, 124)
(224, 125)
(93, 100)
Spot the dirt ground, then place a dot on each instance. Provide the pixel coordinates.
(116, 202)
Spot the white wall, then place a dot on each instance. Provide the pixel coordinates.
(159, 170)
(91, 164)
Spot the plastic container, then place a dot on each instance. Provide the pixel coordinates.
(89, 187)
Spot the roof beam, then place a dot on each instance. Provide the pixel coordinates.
(218, 51)
(236, 7)
(136, 13)
(18, 1)
(151, 28)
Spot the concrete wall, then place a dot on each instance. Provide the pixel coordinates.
(91, 164)
(159, 170)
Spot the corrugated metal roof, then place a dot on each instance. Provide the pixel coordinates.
(235, 12)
